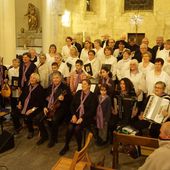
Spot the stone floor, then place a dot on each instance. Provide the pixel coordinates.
(28, 156)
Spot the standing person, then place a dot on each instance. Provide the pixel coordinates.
(43, 70)
(51, 54)
(159, 159)
(13, 74)
(157, 74)
(146, 66)
(110, 61)
(98, 49)
(56, 110)
(124, 64)
(104, 110)
(77, 76)
(25, 70)
(118, 53)
(124, 106)
(34, 57)
(66, 49)
(83, 110)
(159, 46)
(3, 78)
(106, 79)
(30, 104)
(95, 65)
(62, 67)
(85, 50)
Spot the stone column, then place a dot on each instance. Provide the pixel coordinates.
(49, 23)
(7, 31)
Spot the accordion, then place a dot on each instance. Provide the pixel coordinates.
(154, 108)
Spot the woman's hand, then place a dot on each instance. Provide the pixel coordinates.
(74, 119)
(45, 111)
(79, 121)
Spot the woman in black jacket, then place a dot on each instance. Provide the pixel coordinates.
(83, 109)
(30, 104)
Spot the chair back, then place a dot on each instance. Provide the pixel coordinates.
(82, 155)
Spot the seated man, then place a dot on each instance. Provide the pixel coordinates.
(159, 90)
(56, 109)
(159, 159)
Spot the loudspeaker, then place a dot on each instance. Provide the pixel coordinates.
(6, 141)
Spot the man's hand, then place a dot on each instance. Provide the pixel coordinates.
(141, 117)
(164, 113)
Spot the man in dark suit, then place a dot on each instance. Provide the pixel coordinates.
(159, 46)
(25, 70)
(77, 45)
(105, 40)
(56, 110)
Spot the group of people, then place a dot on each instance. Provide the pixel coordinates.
(92, 87)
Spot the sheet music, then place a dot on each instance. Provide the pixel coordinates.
(92, 88)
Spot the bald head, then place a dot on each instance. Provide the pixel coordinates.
(165, 131)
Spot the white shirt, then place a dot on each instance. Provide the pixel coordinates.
(13, 72)
(49, 60)
(64, 69)
(122, 67)
(95, 64)
(143, 69)
(113, 62)
(164, 54)
(99, 53)
(84, 55)
(151, 79)
(66, 52)
(44, 72)
(138, 81)
(72, 61)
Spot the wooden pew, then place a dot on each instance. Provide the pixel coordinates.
(132, 140)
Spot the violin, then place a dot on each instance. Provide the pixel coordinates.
(53, 108)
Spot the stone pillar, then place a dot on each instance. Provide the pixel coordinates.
(7, 31)
(49, 23)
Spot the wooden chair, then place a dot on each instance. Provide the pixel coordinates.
(80, 159)
(132, 140)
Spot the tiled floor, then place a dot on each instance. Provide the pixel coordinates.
(28, 156)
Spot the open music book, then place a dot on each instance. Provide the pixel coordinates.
(92, 88)
(154, 108)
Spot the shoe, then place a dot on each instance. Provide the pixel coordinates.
(41, 141)
(64, 150)
(30, 135)
(51, 144)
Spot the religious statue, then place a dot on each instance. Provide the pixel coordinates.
(33, 17)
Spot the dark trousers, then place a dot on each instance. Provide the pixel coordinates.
(77, 130)
(16, 116)
(49, 128)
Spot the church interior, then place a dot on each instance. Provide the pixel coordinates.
(36, 24)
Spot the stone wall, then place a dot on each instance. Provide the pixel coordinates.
(109, 17)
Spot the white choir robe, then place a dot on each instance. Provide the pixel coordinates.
(44, 72)
(113, 62)
(122, 67)
(138, 81)
(151, 79)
